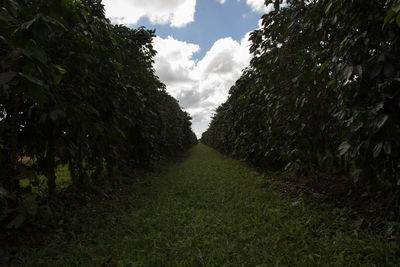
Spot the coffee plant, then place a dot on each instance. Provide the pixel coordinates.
(321, 92)
(78, 90)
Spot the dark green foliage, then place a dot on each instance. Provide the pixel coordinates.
(76, 89)
(321, 93)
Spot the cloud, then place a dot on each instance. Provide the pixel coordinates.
(194, 98)
(221, 1)
(259, 6)
(200, 86)
(173, 61)
(176, 13)
(225, 56)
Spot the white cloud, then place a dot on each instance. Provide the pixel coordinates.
(176, 13)
(173, 61)
(260, 23)
(221, 1)
(200, 86)
(259, 6)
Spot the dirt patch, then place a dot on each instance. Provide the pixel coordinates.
(27, 161)
(374, 210)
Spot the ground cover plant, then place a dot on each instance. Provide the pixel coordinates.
(209, 210)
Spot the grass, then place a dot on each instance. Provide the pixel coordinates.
(63, 179)
(207, 211)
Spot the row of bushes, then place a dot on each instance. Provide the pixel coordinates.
(321, 93)
(77, 90)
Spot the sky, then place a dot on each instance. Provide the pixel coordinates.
(202, 46)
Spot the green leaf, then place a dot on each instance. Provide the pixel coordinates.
(28, 24)
(58, 73)
(356, 126)
(30, 204)
(387, 148)
(389, 15)
(389, 70)
(323, 67)
(54, 21)
(4, 19)
(358, 70)
(53, 115)
(40, 55)
(381, 121)
(16, 222)
(56, 78)
(376, 71)
(6, 77)
(39, 94)
(348, 71)
(118, 65)
(377, 149)
(379, 106)
(3, 192)
(328, 7)
(356, 174)
(31, 79)
(396, 8)
(358, 223)
(343, 148)
(398, 20)
(332, 82)
(60, 69)
(91, 110)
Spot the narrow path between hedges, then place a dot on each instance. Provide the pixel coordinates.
(208, 210)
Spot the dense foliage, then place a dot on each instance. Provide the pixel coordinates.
(77, 90)
(321, 94)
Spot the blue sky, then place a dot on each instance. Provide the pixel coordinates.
(212, 21)
(202, 46)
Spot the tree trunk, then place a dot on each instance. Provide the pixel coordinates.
(14, 171)
(72, 170)
(110, 169)
(80, 165)
(99, 168)
(51, 175)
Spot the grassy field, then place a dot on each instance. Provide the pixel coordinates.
(207, 211)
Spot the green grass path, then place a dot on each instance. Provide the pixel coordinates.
(208, 211)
